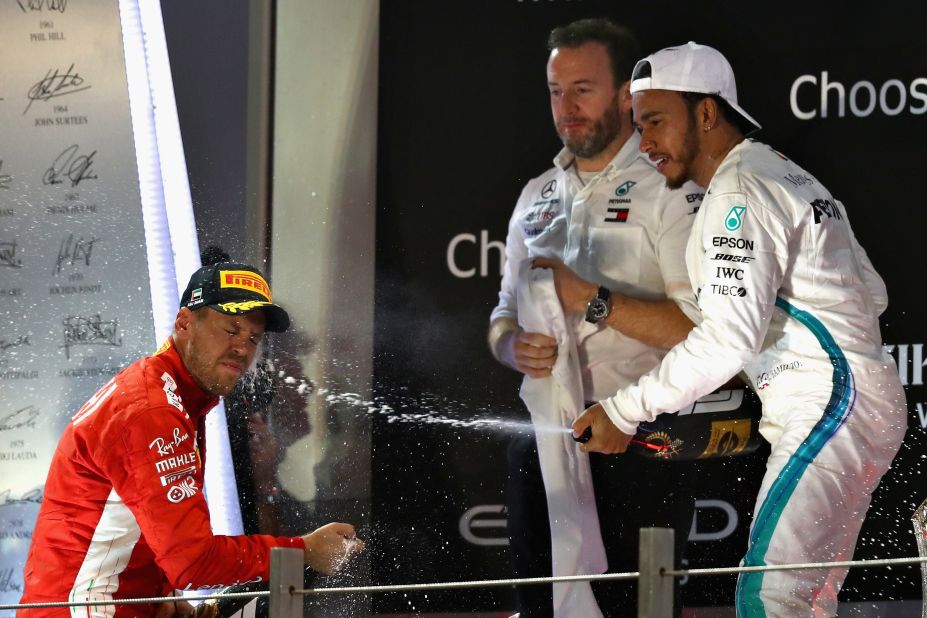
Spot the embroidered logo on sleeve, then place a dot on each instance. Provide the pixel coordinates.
(166, 446)
(181, 491)
(169, 387)
(735, 218)
(176, 467)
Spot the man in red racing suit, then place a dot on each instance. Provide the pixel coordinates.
(124, 514)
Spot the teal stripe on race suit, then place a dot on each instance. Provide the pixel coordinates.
(836, 412)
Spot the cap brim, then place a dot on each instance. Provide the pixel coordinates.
(756, 126)
(277, 319)
(646, 83)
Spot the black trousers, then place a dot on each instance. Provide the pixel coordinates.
(631, 492)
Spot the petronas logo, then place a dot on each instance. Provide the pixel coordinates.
(735, 218)
(624, 188)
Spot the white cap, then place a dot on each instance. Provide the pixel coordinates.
(689, 68)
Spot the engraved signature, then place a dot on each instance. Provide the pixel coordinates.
(30, 497)
(5, 179)
(55, 84)
(39, 5)
(21, 340)
(24, 417)
(76, 168)
(8, 255)
(74, 251)
(79, 330)
(7, 583)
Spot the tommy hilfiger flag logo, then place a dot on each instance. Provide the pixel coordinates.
(617, 215)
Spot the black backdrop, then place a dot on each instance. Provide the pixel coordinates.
(464, 122)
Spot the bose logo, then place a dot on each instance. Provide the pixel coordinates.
(892, 97)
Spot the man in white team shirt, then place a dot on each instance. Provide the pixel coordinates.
(615, 238)
(788, 296)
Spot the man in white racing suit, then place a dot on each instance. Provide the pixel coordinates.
(610, 230)
(786, 295)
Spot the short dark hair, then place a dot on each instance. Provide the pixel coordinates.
(727, 112)
(620, 43)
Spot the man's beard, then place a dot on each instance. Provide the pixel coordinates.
(690, 149)
(602, 132)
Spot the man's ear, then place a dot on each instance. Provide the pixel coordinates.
(709, 113)
(624, 98)
(183, 320)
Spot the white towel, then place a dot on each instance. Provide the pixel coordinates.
(554, 402)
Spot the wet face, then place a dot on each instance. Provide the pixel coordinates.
(584, 100)
(668, 134)
(217, 348)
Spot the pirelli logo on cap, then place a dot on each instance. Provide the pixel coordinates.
(245, 280)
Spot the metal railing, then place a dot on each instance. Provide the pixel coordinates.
(655, 580)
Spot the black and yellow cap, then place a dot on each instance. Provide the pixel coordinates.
(233, 288)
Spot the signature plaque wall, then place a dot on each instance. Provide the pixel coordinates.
(76, 270)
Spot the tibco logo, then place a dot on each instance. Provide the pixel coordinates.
(892, 97)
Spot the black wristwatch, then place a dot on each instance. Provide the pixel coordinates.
(600, 306)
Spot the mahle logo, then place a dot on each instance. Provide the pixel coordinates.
(624, 188)
(735, 218)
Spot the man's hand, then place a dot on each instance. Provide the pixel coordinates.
(573, 291)
(331, 547)
(533, 354)
(606, 438)
(173, 609)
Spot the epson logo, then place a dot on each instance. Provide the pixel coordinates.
(892, 97)
(694, 197)
(733, 243)
(727, 257)
(465, 253)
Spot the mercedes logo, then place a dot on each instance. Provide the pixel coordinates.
(549, 189)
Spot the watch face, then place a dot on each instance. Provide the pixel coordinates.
(598, 309)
